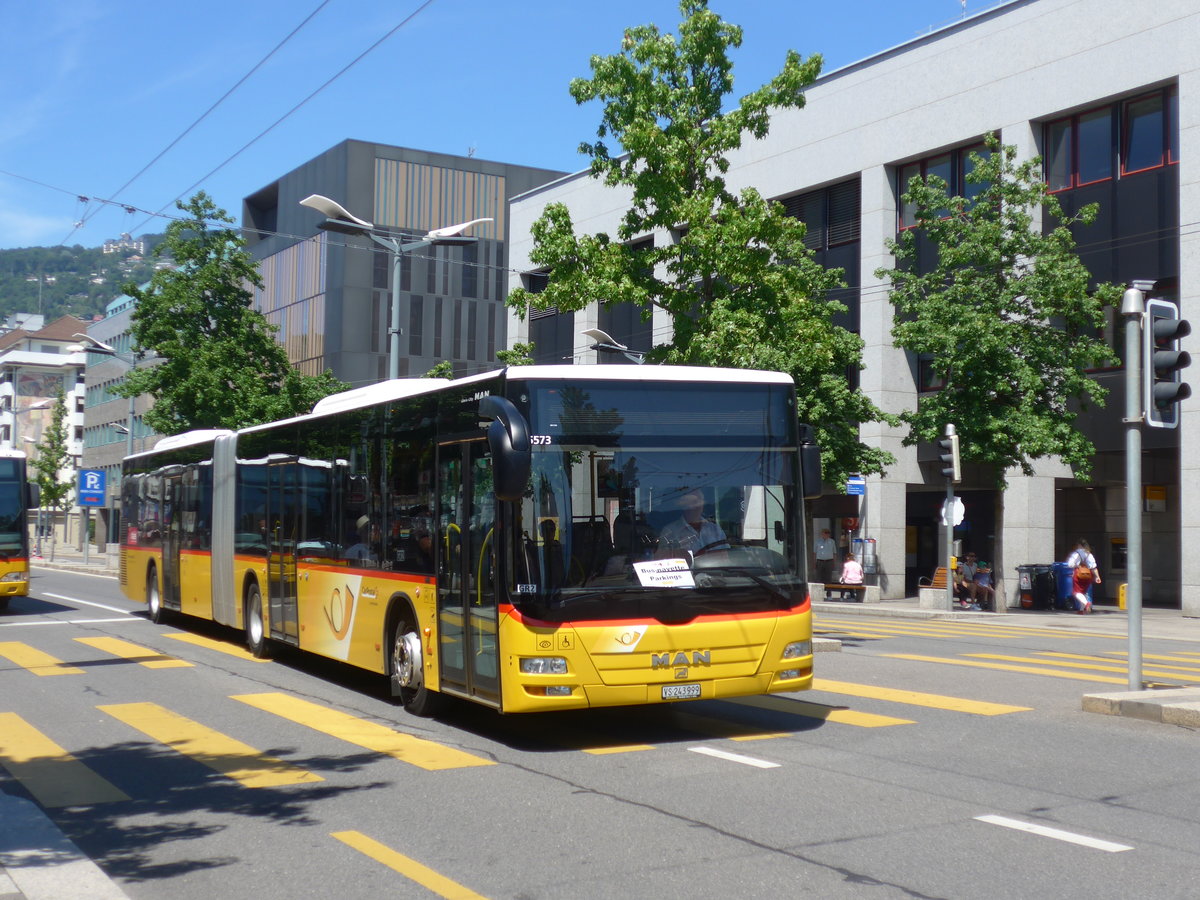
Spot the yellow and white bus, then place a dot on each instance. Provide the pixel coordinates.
(17, 497)
(535, 538)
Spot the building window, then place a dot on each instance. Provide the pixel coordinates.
(1137, 134)
(831, 215)
(952, 167)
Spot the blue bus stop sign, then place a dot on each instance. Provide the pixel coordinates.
(91, 487)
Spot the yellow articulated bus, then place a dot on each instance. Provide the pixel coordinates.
(17, 497)
(535, 538)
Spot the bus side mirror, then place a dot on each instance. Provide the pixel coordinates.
(810, 463)
(508, 440)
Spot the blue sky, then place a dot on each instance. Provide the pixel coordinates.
(96, 90)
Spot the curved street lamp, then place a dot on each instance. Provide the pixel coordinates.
(341, 220)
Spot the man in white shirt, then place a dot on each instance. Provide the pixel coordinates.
(692, 532)
(824, 551)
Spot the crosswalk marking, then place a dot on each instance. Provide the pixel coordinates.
(933, 629)
(1194, 660)
(220, 646)
(916, 698)
(411, 869)
(1098, 665)
(50, 773)
(35, 660)
(734, 757)
(1027, 670)
(363, 733)
(821, 711)
(217, 751)
(144, 656)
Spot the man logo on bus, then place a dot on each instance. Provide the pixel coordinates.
(666, 660)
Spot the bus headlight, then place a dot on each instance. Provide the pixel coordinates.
(14, 576)
(797, 649)
(543, 665)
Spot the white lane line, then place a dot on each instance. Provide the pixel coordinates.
(1082, 839)
(735, 757)
(68, 622)
(90, 603)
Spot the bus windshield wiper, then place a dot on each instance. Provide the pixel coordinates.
(746, 572)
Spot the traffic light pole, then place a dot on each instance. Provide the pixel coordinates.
(1133, 308)
(952, 470)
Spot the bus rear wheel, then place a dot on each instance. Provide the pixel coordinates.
(408, 672)
(153, 596)
(256, 632)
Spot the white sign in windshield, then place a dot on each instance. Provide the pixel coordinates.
(664, 573)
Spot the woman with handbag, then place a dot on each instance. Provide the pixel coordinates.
(1083, 575)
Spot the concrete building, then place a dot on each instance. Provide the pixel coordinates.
(330, 294)
(1109, 94)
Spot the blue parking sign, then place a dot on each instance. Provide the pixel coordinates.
(91, 487)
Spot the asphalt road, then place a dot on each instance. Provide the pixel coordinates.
(935, 759)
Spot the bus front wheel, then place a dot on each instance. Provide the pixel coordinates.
(153, 596)
(408, 671)
(256, 632)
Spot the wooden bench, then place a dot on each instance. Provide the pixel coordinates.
(938, 583)
(849, 593)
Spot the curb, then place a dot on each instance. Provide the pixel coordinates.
(1174, 706)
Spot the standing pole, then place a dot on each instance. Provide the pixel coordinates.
(949, 541)
(394, 330)
(1133, 308)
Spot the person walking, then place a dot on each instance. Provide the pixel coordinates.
(824, 551)
(1084, 574)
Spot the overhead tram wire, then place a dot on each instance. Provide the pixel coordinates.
(87, 216)
(289, 113)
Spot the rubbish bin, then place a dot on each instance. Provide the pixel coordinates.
(1064, 580)
(1035, 585)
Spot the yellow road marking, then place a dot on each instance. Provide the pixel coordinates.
(50, 773)
(822, 711)
(1194, 660)
(134, 653)
(915, 698)
(936, 630)
(409, 868)
(1099, 665)
(35, 660)
(371, 735)
(625, 748)
(1028, 670)
(224, 754)
(219, 646)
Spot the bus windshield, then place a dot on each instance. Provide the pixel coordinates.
(660, 501)
(12, 508)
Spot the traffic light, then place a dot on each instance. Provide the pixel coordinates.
(948, 454)
(1163, 388)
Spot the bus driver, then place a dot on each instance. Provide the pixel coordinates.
(692, 531)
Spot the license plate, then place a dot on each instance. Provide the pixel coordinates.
(680, 691)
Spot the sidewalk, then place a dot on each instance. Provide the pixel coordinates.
(70, 558)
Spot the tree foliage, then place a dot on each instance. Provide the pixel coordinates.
(218, 364)
(740, 287)
(1007, 317)
(53, 457)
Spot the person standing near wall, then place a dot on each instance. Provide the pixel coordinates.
(824, 551)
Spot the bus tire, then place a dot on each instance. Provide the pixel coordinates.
(154, 601)
(256, 631)
(3, 604)
(407, 670)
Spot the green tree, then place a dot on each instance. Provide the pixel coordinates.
(218, 363)
(52, 459)
(740, 287)
(1007, 317)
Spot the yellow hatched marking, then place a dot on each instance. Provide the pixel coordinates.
(35, 660)
(219, 646)
(822, 711)
(362, 733)
(1194, 660)
(409, 868)
(50, 773)
(1098, 665)
(936, 629)
(241, 762)
(143, 656)
(626, 748)
(916, 698)
(1027, 670)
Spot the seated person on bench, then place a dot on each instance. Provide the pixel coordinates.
(976, 583)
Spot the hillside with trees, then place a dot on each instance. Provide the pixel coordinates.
(78, 281)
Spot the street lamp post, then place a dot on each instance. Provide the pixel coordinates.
(341, 220)
(606, 343)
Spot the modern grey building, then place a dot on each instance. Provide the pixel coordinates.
(1108, 93)
(330, 294)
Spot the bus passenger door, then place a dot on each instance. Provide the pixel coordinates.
(172, 537)
(283, 524)
(469, 649)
